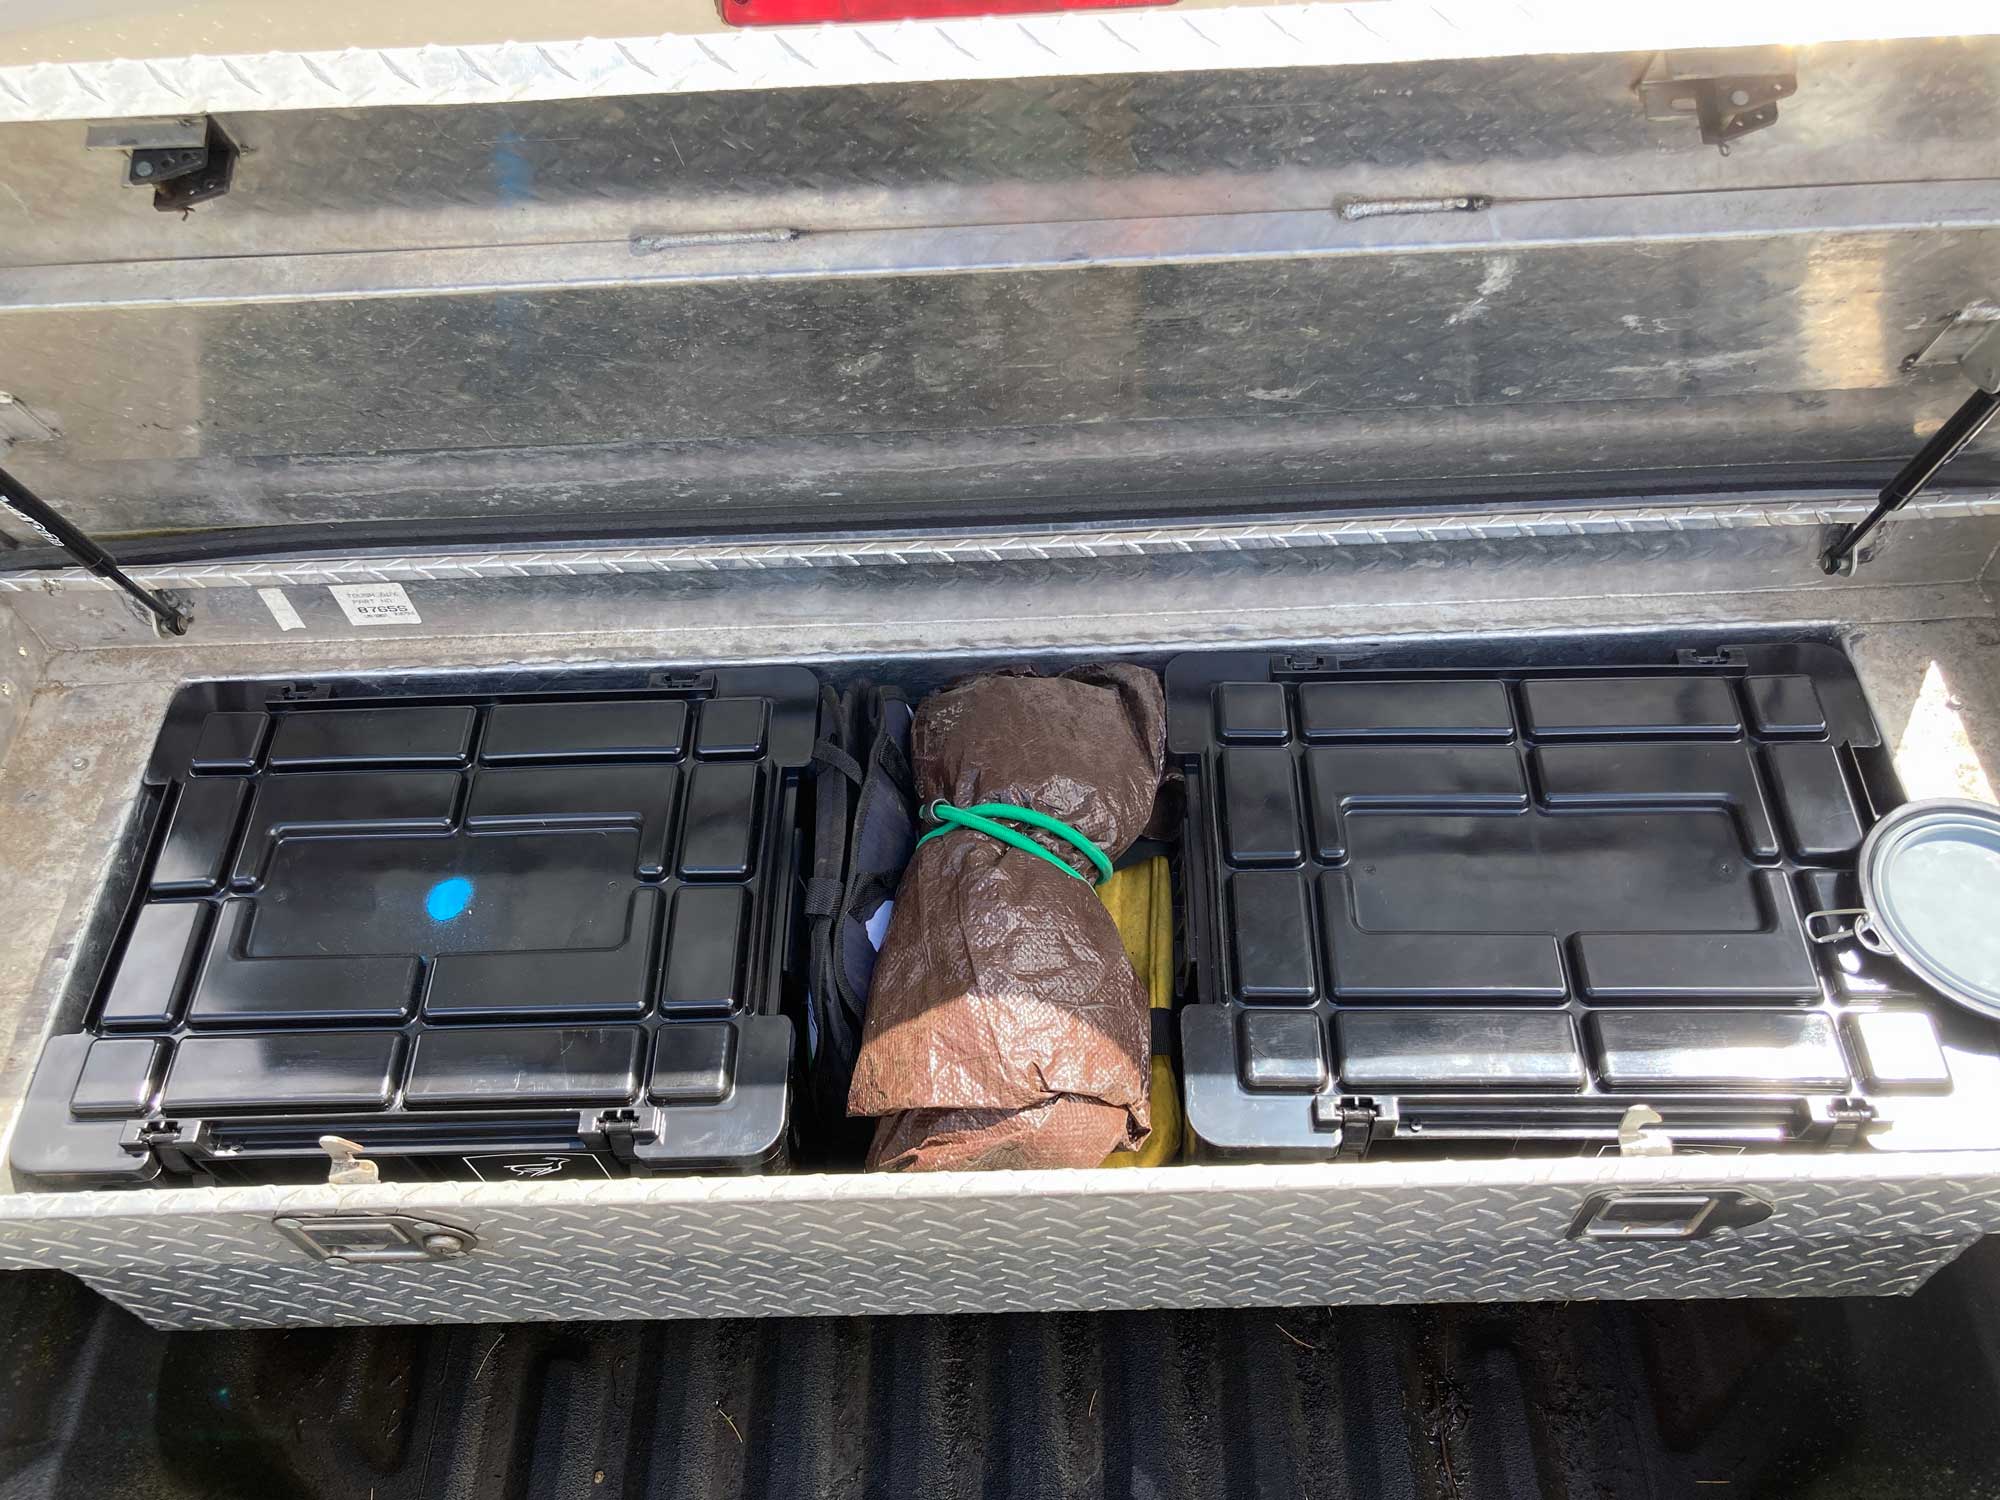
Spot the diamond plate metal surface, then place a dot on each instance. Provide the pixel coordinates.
(982, 47)
(991, 152)
(1196, 1236)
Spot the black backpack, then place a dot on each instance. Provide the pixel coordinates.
(864, 831)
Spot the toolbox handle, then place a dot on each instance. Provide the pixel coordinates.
(1666, 1216)
(376, 1239)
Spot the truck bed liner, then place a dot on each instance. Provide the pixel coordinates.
(1817, 1397)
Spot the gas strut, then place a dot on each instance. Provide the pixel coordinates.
(1982, 363)
(53, 529)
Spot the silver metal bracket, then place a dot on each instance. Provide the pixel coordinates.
(377, 1239)
(1728, 94)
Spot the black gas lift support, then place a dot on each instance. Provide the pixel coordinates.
(1982, 363)
(172, 614)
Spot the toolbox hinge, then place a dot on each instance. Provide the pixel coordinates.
(1846, 1118)
(1728, 94)
(618, 1132)
(178, 1146)
(184, 159)
(303, 692)
(1353, 1121)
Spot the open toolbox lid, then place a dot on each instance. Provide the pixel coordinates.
(1180, 264)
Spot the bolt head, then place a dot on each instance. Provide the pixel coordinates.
(444, 1245)
(142, 169)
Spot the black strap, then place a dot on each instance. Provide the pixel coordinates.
(822, 896)
(869, 892)
(826, 753)
(890, 757)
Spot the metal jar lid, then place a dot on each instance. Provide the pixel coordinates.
(1930, 887)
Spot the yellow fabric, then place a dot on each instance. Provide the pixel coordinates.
(1141, 902)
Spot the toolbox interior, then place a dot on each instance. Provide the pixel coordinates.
(1471, 897)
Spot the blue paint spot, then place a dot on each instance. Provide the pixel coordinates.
(448, 899)
(513, 173)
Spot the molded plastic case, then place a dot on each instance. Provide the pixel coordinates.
(1506, 905)
(502, 935)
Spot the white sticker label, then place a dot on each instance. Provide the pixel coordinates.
(534, 1166)
(375, 603)
(281, 609)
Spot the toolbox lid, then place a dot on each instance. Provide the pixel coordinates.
(1278, 261)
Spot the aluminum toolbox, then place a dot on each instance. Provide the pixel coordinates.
(1459, 906)
(1422, 330)
(489, 935)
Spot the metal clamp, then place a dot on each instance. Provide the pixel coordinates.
(377, 1239)
(1666, 1216)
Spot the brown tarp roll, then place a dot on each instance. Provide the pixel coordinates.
(1005, 1025)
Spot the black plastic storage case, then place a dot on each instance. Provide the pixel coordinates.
(517, 934)
(1507, 905)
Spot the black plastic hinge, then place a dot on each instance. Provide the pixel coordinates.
(617, 1131)
(1304, 664)
(179, 1146)
(681, 682)
(1846, 1118)
(303, 692)
(1726, 656)
(1353, 1120)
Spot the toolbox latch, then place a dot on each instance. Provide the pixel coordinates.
(1353, 1120)
(179, 1146)
(1665, 1216)
(681, 682)
(1726, 656)
(618, 1132)
(1845, 1119)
